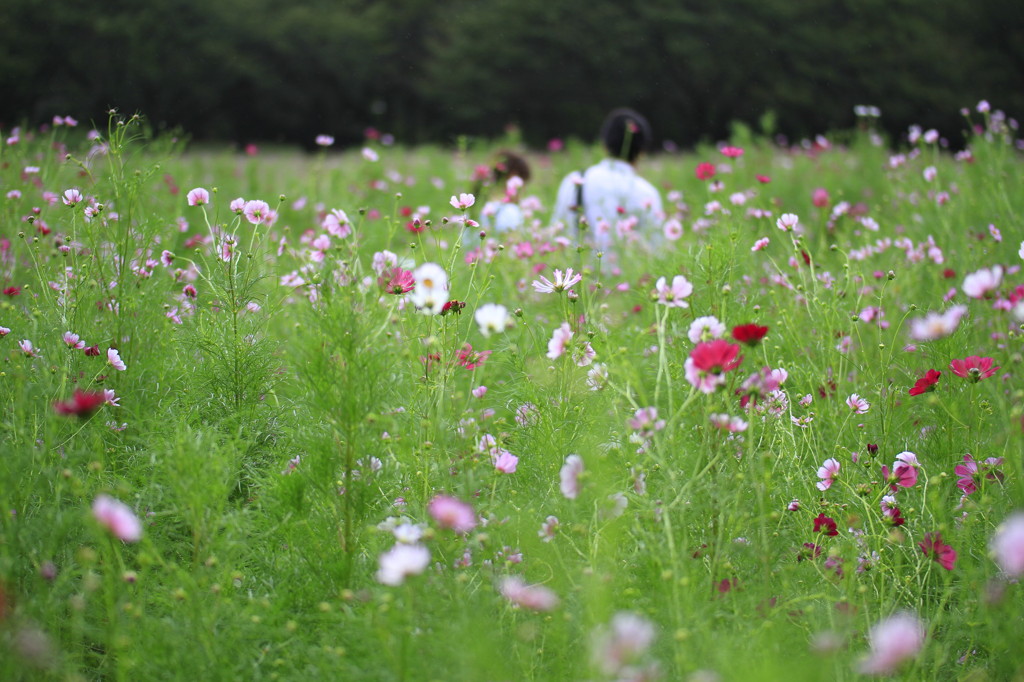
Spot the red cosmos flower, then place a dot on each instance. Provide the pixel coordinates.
(453, 306)
(926, 383)
(397, 281)
(934, 548)
(92, 351)
(973, 367)
(826, 525)
(12, 291)
(82, 404)
(716, 356)
(750, 334)
(705, 170)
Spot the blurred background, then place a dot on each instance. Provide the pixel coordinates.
(427, 71)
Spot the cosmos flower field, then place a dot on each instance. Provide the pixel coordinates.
(271, 415)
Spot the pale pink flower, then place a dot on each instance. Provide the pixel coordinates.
(505, 462)
(858, 404)
(562, 282)
(72, 197)
(257, 211)
(787, 222)
(118, 518)
(462, 201)
(673, 295)
(4, 331)
(111, 398)
(114, 358)
(570, 475)
(198, 197)
(237, 205)
(728, 423)
(369, 154)
(452, 513)
(760, 244)
(673, 229)
(827, 472)
(27, 348)
(548, 529)
(705, 329)
(645, 420)
(402, 561)
(893, 641)
(324, 140)
(1008, 545)
(979, 284)
(935, 326)
(559, 341)
(73, 341)
(620, 645)
(533, 597)
(479, 391)
(337, 224)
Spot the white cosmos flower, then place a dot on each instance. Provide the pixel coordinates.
(431, 290)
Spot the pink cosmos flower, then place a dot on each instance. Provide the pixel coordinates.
(904, 474)
(732, 152)
(646, 421)
(548, 529)
(73, 341)
(705, 329)
(979, 284)
(479, 391)
(505, 462)
(532, 597)
(337, 224)
(27, 348)
(256, 211)
(760, 244)
(1008, 545)
(559, 341)
(971, 472)
(198, 197)
(973, 367)
(787, 222)
(827, 472)
(933, 547)
(452, 513)
(570, 475)
(114, 358)
(324, 140)
(400, 562)
(237, 205)
(728, 423)
(72, 197)
(462, 201)
(893, 641)
(935, 326)
(118, 517)
(858, 404)
(397, 281)
(562, 282)
(705, 170)
(111, 398)
(618, 647)
(819, 197)
(673, 296)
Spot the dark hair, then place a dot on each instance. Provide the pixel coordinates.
(625, 134)
(510, 165)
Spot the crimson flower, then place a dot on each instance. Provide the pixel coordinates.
(471, 359)
(453, 307)
(926, 383)
(92, 351)
(716, 356)
(82, 404)
(973, 367)
(750, 334)
(826, 525)
(12, 291)
(705, 170)
(934, 548)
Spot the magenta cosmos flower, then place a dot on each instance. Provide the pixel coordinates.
(708, 363)
(926, 383)
(971, 472)
(82, 404)
(452, 513)
(973, 367)
(933, 547)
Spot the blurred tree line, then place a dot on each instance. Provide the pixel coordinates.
(427, 70)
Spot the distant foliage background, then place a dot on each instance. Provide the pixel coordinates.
(426, 71)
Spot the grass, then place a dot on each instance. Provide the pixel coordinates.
(274, 429)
